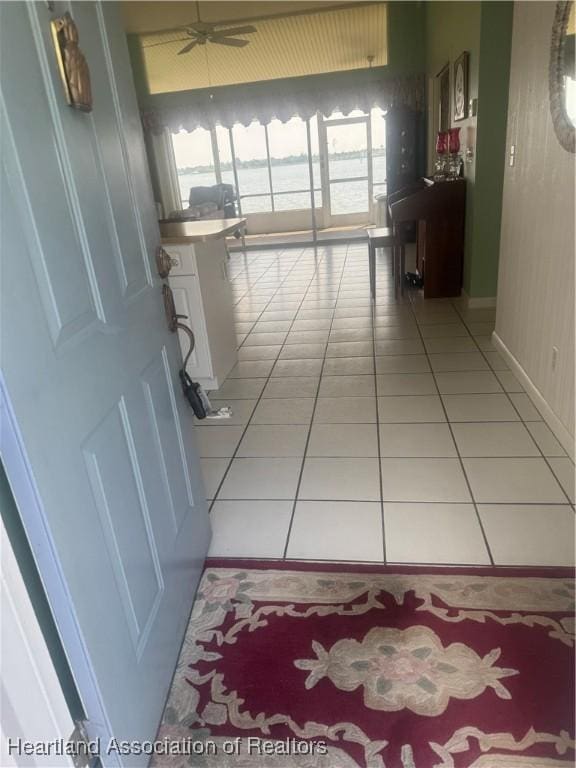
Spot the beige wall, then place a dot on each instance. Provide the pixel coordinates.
(535, 308)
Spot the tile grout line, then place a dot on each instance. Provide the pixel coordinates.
(258, 399)
(408, 501)
(375, 374)
(542, 455)
(304, 456)
(473, 500)
(349, 295)
(522, 420)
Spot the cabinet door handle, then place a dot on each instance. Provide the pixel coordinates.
(224, 268)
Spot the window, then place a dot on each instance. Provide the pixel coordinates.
(288, 148)
(252, 168)
(378, 127)
(225, 155)
(272, 166)
(194, 161)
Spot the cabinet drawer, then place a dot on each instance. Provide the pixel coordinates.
(184, 259)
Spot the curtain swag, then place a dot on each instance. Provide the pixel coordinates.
(207, 110)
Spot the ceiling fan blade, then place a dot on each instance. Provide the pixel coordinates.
(248, 30)
(230, 41)
(167, 42)
(188, 47)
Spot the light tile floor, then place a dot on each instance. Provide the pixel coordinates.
(391, 432)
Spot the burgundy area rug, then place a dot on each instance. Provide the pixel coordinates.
(295, 665)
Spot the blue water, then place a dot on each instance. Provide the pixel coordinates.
(345, 197)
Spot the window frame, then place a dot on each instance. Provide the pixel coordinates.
(320, 184)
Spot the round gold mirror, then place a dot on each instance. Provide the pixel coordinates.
(562, 76)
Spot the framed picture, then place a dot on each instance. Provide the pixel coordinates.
(461, 86)
(443, 79)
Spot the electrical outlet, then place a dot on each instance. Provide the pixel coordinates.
(512, 155)
(555, 354)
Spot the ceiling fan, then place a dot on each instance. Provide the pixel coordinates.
(202, 32)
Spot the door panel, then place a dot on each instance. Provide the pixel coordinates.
(168, 443)
(349, 197)
(122, 506)
(90, 369)
(346, 152)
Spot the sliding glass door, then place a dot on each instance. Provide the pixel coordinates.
(269, 165)
(346, 167)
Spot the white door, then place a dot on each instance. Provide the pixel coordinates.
(97, 441)
(31, 701)
(346, 169)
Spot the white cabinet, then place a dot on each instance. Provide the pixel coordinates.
(202, 292)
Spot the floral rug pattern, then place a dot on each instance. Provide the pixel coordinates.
(377, 668)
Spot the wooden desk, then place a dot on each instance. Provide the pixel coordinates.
(439, 208)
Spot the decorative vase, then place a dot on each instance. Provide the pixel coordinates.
(454, 140)
(441, 152)
(441, 143)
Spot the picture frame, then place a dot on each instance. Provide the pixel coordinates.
(443, 94)
(460, 86)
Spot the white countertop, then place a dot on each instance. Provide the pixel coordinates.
(198, 231)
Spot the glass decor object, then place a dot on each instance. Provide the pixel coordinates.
(441, 143)
(455, 158)
(441, 152)
(454, 140)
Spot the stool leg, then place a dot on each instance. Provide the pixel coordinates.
(372, 269)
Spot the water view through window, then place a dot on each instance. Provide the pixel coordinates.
(272, 163)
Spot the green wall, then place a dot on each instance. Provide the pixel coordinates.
(484, 29)
(453, 27)
(406, 37)
(495, 49)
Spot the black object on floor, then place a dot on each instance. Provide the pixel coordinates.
(413, 280)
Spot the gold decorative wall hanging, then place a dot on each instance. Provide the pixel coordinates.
(72, 64)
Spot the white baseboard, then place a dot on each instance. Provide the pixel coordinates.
(477, 302)
(561, 433)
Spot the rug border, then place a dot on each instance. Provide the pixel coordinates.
(543, 571)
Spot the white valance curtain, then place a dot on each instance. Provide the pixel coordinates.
(208, 109)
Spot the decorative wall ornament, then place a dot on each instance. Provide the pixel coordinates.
(560, 69)
(72, 64)
(461, 86)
